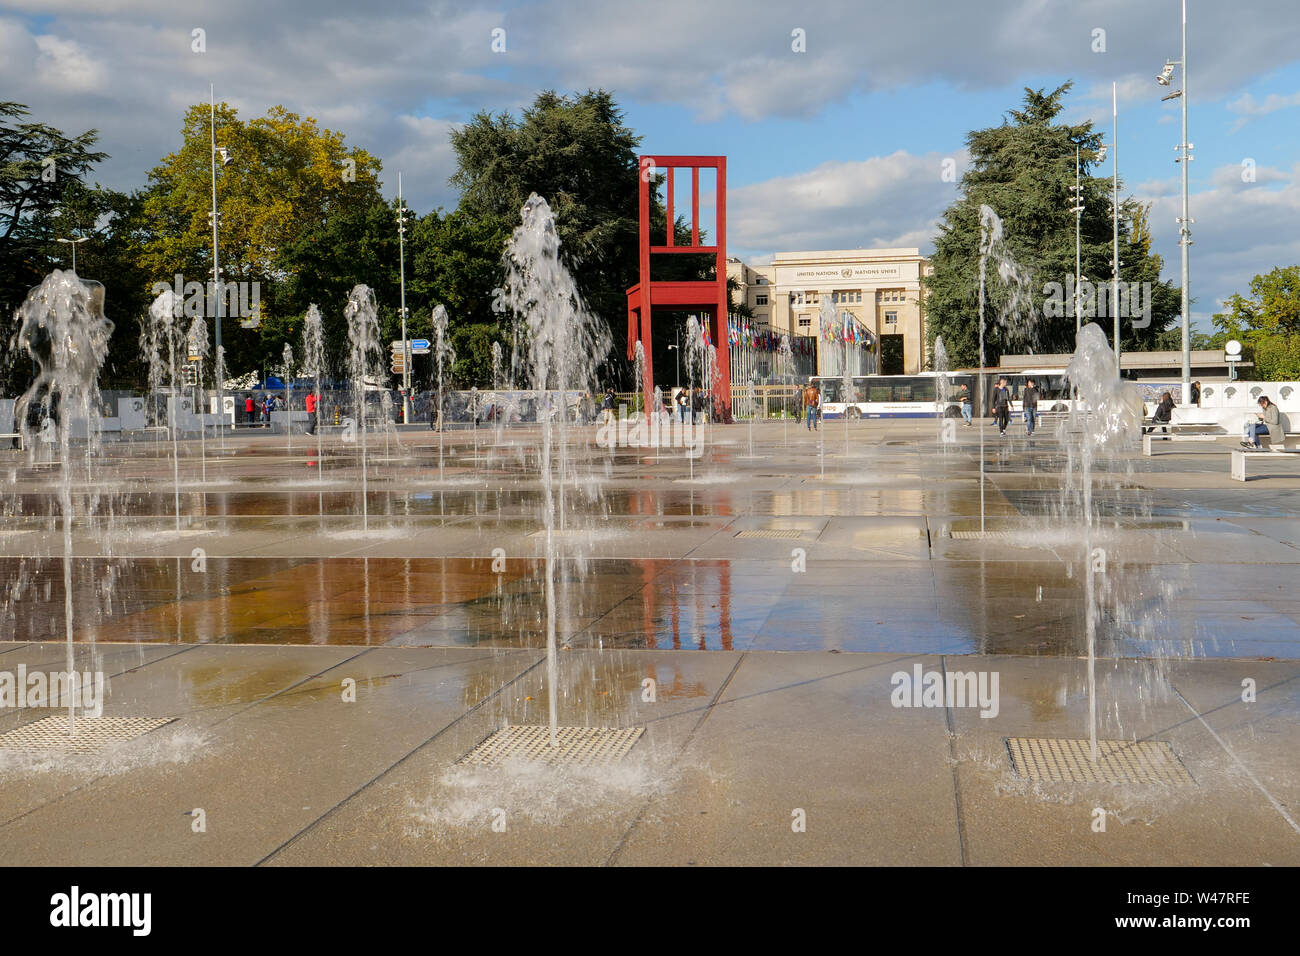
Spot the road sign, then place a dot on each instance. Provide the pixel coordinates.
(419, 345)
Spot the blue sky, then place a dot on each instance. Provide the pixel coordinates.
(838, 145)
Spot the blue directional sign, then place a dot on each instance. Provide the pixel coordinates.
(419, 345)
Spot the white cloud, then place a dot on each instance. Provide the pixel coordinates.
(65, 66)
(1239, 231)
(1247, 105)
(888, 201)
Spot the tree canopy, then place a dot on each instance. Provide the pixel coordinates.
(1024, 169)
(1267, 322)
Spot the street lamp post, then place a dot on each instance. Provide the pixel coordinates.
(677, 354)
(402, 213)
(1185, 221)
(1077, 209)
(216, 263)
(74, 243)
(1114, 286)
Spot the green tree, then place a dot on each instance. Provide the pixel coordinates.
(285, 177)
(577, 153)
(44, 197)
(1267, 322)
(1024, 170)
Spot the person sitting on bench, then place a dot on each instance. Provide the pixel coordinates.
(1270, 424)
(1164, 412)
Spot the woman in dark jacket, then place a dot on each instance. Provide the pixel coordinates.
(1164, 412)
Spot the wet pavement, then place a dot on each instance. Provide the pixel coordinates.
(808, 573)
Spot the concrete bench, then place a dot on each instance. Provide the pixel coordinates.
(1179, 431)
(11, 436)
(1289, 446)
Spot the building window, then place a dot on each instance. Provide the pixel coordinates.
(804, 321)
(891, 318)
(760, 299)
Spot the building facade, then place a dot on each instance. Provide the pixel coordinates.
(876, 292)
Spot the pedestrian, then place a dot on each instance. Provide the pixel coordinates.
(683, 407)
(1164, 412)
(312, 400)
(268, 406)
(1029, 402)
(1002, 405)
(250, 409)
(1196, 394)
(607, 406)
(812, 401)
(1270, 424)
(963, 396)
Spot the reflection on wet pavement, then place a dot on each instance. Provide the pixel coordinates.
(883, 553)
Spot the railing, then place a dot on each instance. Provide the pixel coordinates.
(757, 401)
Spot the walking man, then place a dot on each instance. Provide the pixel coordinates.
(812, 400)
(250, 409)
(963, 396)
(1002, 405)
(312, 400)
(1029, 402)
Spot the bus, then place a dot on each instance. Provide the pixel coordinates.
(926, 395)
(895, 396)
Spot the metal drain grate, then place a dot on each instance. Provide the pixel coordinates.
(93, 734)
(575, 745)
(772, 533)
(1118, 761)
(997, 535)
(564, 533)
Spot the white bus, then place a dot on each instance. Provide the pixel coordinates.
(895, 396)
(926, 395)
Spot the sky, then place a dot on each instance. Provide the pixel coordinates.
(836, 117)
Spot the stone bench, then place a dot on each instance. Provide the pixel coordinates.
(1179, 431)
(11, 436)
(1290, 446)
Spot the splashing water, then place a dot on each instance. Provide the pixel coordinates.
(561, 346)
(1016, 311)
(363, 352)
(638, 373)
(785, 367)
(444, 357)
(1112, 414)
(287, 355)
(61, 325)
(197, 343)
(498, 373)
(940, 385)
(220, 373)
(158, 342)
(313, 356)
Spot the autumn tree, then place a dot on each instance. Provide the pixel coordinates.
(283, 178)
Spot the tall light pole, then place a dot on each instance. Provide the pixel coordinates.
(74, 243)
(1185, 221)
(1077, 209)
(1114, 285)
(402, 213)
(216, 263)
